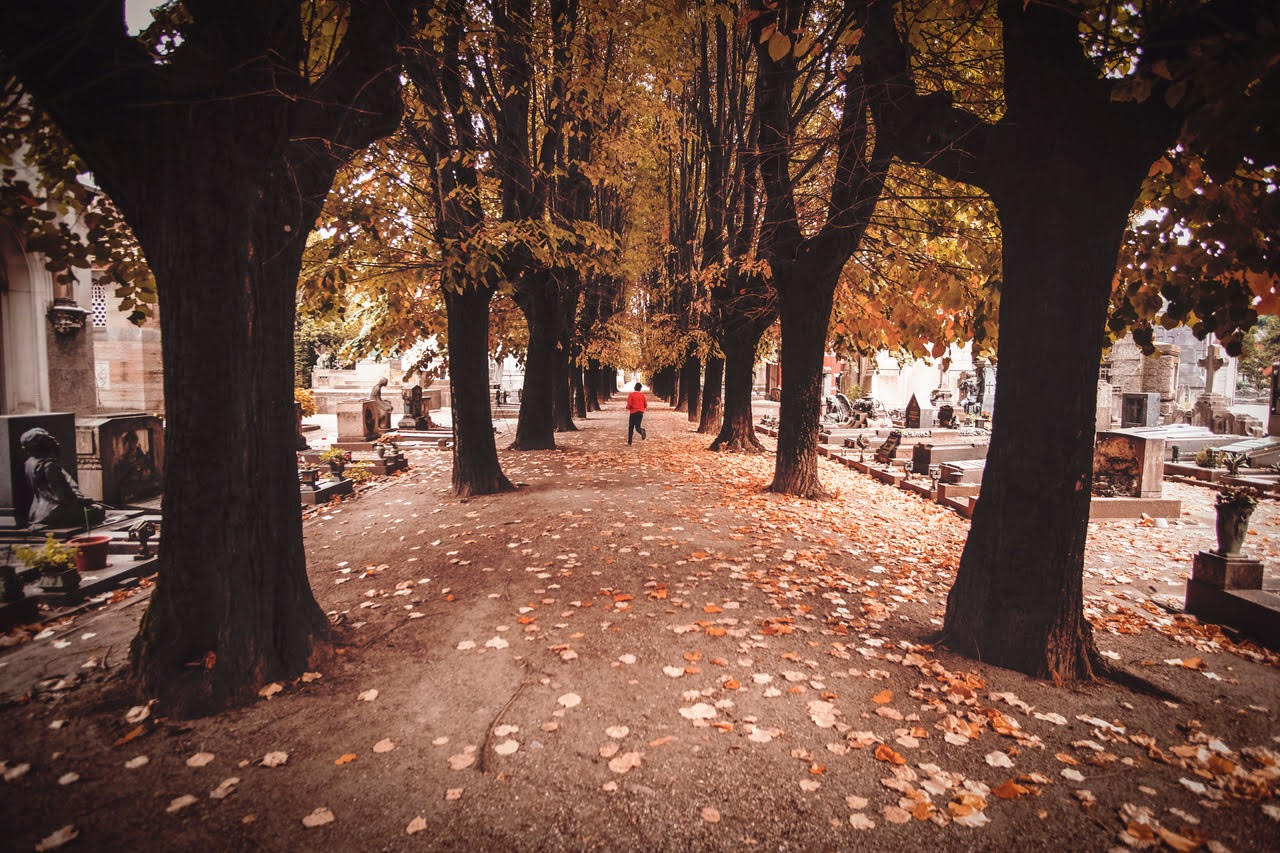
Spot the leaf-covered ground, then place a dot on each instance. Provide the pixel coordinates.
(641, 650)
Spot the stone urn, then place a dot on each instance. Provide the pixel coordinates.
(336, 467)
(381, 450)
(91, 552)
(1234, 508)
(308, 476)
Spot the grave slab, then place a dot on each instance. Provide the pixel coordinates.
(120, 568)
(1227, 571)
(1255, 612)
(326, 490)
(1107, 508)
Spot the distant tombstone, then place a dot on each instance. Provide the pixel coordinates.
(1102, 416)
(886, 451)
(911, 418)
(1140, 409)
(415, 409)
(120, 457)
(1273, 411)
(1128, 464)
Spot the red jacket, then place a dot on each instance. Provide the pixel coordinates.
(635, 401)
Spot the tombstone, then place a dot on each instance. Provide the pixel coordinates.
(15, 494)
(1140, 410)
(911, 418)
(120, 457)
(364, 420)
(1128, 464)
(1102, 416)
(1273, 411)
(414, 416)
(886, 451)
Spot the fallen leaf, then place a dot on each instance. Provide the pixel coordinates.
(884, 752)
(136, 762)
(451, 794)
(345, 758)
(368, 695)
(625, 762)
(200, 759)
(698, 711)
(308, 677)
(68, 778)
(138, 713)
(893, 814)
(1072, 774)
(418, 824)
(710, 814)
(810, 785)
(384, 745)
(274, 759)
(999, 759)
(1009, 790)
(57, 838)
(462, 760)
(861, 821)
(319, 817)
(571, 700)
(225, 787)
(270, 690)
(883, 697)
(506, 747)
(617, 732)
(179, 803)
(609, 750)
(855, 803)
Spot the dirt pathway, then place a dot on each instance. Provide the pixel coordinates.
(641, 650)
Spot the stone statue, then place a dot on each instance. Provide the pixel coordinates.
(377, 415)
(58, 501)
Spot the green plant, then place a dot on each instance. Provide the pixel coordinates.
(333, 454)
(360, 472)
(307, 398)
(52, 556)
(1244, 498)
(1234, 461)
(1207, 457)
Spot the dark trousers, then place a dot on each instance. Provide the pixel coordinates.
(633, 425)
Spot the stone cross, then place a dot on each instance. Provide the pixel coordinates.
(1211, 362)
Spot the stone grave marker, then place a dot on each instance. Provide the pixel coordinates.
(886, 451)
(1141, 409)
(1127, 464)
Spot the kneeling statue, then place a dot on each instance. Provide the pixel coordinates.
(58, 501)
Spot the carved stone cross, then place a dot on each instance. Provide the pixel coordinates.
(1213, 360)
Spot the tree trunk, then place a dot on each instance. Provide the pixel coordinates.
(591, 383)
(476, 470)
(804, 304)
(737, 432)
(692, 377)
(608, 383)
(1017, 599)
(232, 608)
(561, 400)
(535, 429)
(712, 396)
(579, 391)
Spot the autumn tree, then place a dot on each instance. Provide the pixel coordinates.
(1083, 115)
(218, 148)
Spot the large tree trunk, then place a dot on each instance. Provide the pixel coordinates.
(737, 432)
(561, 399)
(1017, 600)
(712, 396)
(691, 376)
(591, 382)
(232, 607)
(535, 429)
(804, 304)
(476, 470)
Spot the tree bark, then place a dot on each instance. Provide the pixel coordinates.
(535, 429)
(476, 470)
(737, 432)
(591, 382)
(691, 377)
(1017, 600)
(804, 304)
(561, 400)
(712, 396)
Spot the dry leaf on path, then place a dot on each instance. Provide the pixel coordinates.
(179, 803)
(418, 824)
(200, 759)
(861, 821)
(883, 697)
(999, 759)
(345, 758)
(506, 747)
(569, 700)
(138, 713)
(136, 762)
(462, 760)
(617, 732)
(710, 814)
(270, 690)
(274, 759)
(453, 794)
(68, 778)
(384, 745)
(893, 814)
(368, 695)
(225, 787)
(609, 750)
(625, 762)
(884, 752)
(57, 838)
(699, 711)
(319, 817)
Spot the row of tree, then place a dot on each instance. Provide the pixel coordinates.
(652, 185)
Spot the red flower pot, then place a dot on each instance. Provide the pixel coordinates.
(91, 552)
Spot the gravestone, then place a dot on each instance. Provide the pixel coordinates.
(120, 457)
(911, 418)
(364, 420)
(15, 495)
(415, 409)
(1140, 409)
(1211, 409)
(1128, 464)
(886, 451)
(1102, 418)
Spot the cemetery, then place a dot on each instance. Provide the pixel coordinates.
(639, 425)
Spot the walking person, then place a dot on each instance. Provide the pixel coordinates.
(635, 405)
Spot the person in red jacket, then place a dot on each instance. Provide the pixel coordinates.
(635, 405)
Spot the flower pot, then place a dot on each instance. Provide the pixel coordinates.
(335, 468)
(91, 552)
(1232, 525)
(308, 477)
(380, 449)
